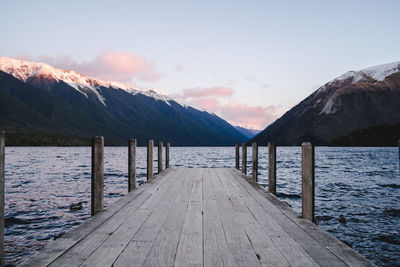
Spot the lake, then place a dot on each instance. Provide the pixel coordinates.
(363, 184)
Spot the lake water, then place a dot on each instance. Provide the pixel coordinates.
(363, 184)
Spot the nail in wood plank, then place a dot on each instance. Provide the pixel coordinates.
(254, 171)
(160, 145)
(308, 185)
(131, 165)
(167, 155)
(272, 168)
(97, 175)
(150, 159)
(244, 158)
(237, 156)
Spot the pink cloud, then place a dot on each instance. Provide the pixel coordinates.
(108, 65)
(207, 92)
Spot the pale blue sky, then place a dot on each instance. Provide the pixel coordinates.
(271, 53)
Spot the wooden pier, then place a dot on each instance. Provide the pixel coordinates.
(198, 217)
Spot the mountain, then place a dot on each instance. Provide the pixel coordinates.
(353, 101)
(383, 135)
(249, 133)
(39, 99)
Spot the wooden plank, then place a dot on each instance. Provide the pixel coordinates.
(159, 151)
(292, 251)
(97, 192)
(237, 156)
(316, 250)
(263, 246)
(254, 169)
(237, 240)
(131, 164)
(111, 248)
(82, 250)
(163, 252)
(216, 251)
(190, 249)
(308, 182)
(167, 155)
(272, 168)
(150, 145)
(244, 158)
(140, 243)
(320, 237)
(75, 235)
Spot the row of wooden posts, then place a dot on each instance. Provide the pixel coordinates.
(97, 181)
(97, 192)
(308, 179)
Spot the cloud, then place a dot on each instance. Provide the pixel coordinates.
(214, 99)
(121, 66)
(207, 92)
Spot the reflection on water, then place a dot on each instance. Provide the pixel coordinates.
(363, 184)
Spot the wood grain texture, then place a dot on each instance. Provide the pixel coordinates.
(308, 182)
(97, 192)
(160, 161)
(272, 168)
(244, 158)
(131, 165)
(198, 217)
(150, 146)
(254, 163)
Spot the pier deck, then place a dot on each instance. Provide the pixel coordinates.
(198, 217)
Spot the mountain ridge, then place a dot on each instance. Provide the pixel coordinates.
(350, 102)
(85, 107)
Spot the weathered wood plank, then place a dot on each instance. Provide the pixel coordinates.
(131, 164)
(142, 241)
(242, 251)
(150, 146)
(216, 251)
(292, 251)
(272, 168)
(160, 161)
(190, 249)
(97, 192)
(237, 156)
(264, 247)
(254, 169)
(63, 245)
(163, 252)
(244, 158)
(308, 182)
(86, 246)
(111, 248)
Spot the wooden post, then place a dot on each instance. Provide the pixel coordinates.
(254, 171)
(97, 175)
(2, 193)
(131, 165)
(272, 168)
(244, 158)
(150, 160)
(160, 145)
(237, 156)
(308, 185)
(167, 155)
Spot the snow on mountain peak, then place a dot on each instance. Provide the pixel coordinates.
(25, 70)
(378, 73)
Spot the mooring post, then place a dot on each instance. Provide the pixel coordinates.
(237, 156)
(167, 155)
(272, 168)
(131, 164)
(97, 174)
(254, 170)
(244, 158)
(2, 193)
(150, 160)
(160, 145)
(308, 181)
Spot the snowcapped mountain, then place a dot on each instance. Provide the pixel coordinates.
(70, 103)
(37, 72)
(353, 101)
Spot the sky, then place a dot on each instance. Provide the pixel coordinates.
(246, 61)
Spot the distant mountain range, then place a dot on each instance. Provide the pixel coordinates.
(354, 101)
(249, 133)
(41, 104)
